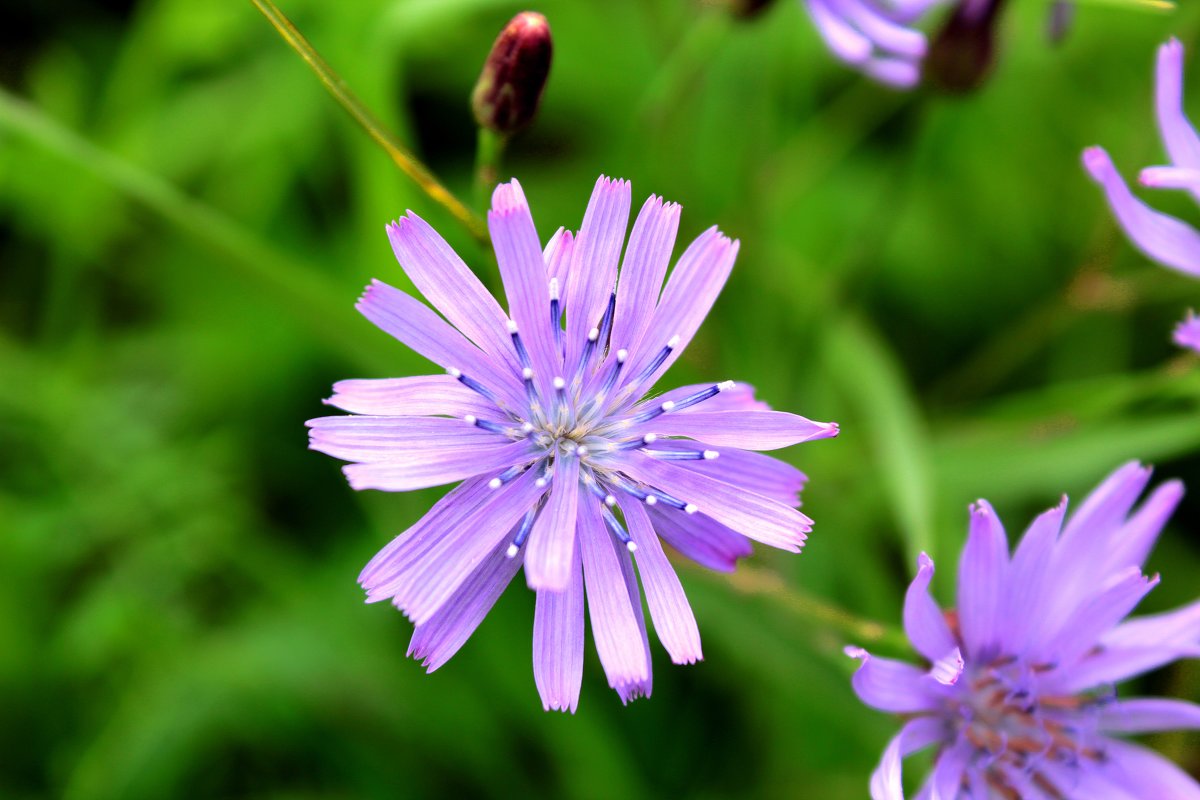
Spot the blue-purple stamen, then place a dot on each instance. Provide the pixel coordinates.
(522, 533)
(506, 476)
(556, 315)
(472, 384)
(702, 395)
(488, 425)
(641, 441)
(662, 408)
(518, 345)
(683, 455)
(653, 366)
(613, 374)
(606, 321)
(617, 529)
(594, 486)
(673, 502)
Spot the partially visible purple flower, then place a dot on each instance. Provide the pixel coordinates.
(877, 37)
(567, 469)
(1187, 333)
(1163, 238)
(1019, 696)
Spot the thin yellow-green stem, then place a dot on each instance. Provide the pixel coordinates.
(489, 154)
(401, 156)
(758, 582)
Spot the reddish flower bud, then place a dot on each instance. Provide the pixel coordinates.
(962, 54)
(509, 89)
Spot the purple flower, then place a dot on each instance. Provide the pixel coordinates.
(566, 468)
(1187, 333)
(1019, 696)
(1163, 238)
(876, 37)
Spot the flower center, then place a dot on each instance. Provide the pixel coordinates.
(1013, 727)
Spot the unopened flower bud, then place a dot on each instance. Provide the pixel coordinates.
(962, 54)
(510, 87)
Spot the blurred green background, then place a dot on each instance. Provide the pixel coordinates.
(186, 219)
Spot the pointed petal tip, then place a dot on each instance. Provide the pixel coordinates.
(924, 563)
(508, 198)
(1097, 162)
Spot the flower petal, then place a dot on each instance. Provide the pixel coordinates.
(1160, 237)
(744, 469)
(894, 686)
(700, 538)
(558, 642)
(886, 783)
(643, 270)
(843, 40)
(948, 771)
(420, 395)
(423, 469)
(442, 569)
(1170, 178)
(673, 619)
(523, 272)
(1108, 606)
(552, 540)
(1144, 773)
(373, 438)
(883, 32)
(1178, 627)
(1131, 545)
(981, 583)
(758, 517)
(446, 282)
(748, 430)
(614, 624)
(641, 687)
(689, 295)
(1148, 715)
(436, 641)
(1177, 132)
(1103, 511)
(402, 551)
(924, 622)
(1187, 333)
(592, 276)
(1113, 665)
(419, 328)
(1032, 576)
(739, 397)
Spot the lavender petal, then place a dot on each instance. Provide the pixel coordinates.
(558, 642)
(1148, 715)
(552, 541)
(422, 470)
(420, 395)
(701, 538)
(747, 430)
(894, 686)
(981, 580)
(924, 622)
(643, 270)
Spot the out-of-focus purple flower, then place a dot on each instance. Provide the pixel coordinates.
(877, 37)
(1187, 333)
(1019, 696)
(567, 469)
(1163, 238)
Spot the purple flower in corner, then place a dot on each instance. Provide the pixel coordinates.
(1019, 697)
(567, 469)
(1163, 238)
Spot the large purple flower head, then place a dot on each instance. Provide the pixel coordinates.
(1169, 241)
(567, 469)
(1019, 695)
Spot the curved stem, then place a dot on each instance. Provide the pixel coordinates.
(400, 155)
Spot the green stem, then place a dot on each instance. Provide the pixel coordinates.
(296, 286)
(758, 582)
(400, 155)
(489, 153)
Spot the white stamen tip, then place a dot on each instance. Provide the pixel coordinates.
(581, 451)
(527, 373)
(650, 438)
(593, 334)
(651, 500)
(622, 355)
(631, 546)
(690, 508)
(511, 552)
(540, 482)
(559, 383)
(674, 340)
(668, 405)
(724, 386)
(609, 500)
(495, 483)
(470, 419)
(511, 325)
(554, 288)
(454, 373)
(709, 455)
(527, 427)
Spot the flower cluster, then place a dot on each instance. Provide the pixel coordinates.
(1169, 241)
(1019, 696)
(877, 37)
(567, 469)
